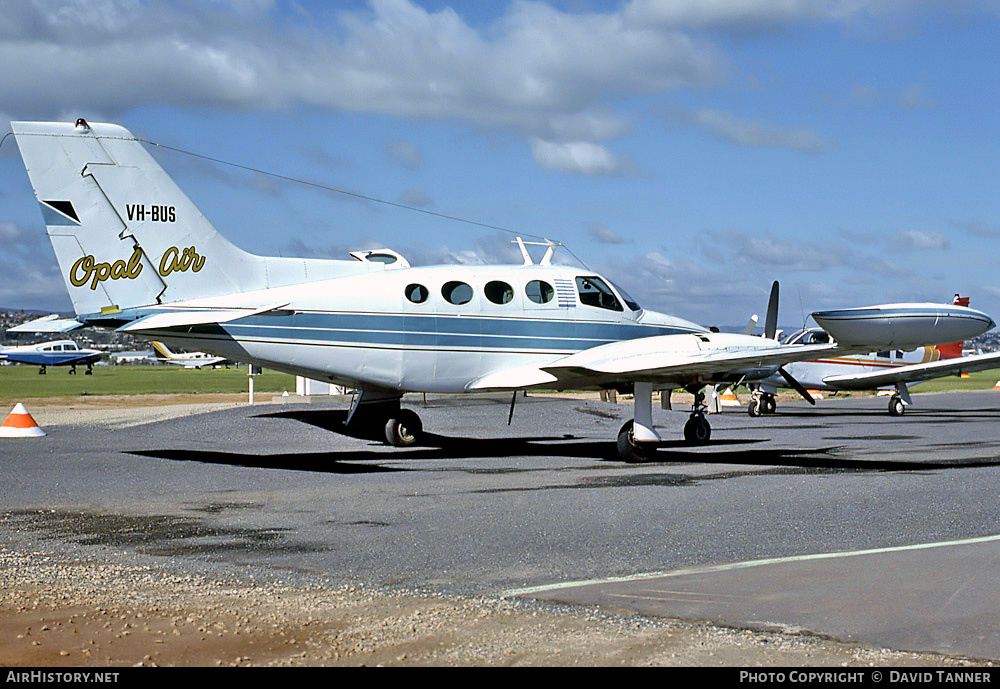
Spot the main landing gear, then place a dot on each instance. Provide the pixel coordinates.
(637, 439)
(377, 414)
(761, 403)
(896, 406)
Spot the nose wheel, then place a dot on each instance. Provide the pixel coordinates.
(697, 430)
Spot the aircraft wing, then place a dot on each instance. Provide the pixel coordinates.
(47, 324)
(915, 372)
(662, 360)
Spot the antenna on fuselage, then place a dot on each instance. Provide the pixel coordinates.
(549, 251)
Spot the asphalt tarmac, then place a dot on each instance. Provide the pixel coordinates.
(839, 520)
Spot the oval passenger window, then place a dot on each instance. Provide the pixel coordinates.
(539, 291)
(499, 292)
(456, 292)
(417, 293)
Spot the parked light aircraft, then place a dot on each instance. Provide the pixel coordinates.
(891, 368)
(137, 255)
(186, 359)
(55, 353)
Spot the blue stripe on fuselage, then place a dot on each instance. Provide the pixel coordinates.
(440, 331)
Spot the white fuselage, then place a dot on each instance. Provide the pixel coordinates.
(813, 373)
(364, 331)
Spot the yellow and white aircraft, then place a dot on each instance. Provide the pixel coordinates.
(186, 359)
(137, 255)
(887, 369)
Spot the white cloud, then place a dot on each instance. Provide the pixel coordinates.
(405, 154)
(604, 234)
(920, 240)
(580, 158)
(758, 134)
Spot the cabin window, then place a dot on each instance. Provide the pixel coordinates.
(539, 291)
(456, 292)
(595, 292)
(882, 355)
(417, 293)
(499, 292)
(382, 258)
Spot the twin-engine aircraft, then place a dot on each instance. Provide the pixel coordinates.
(136, 255)
(888, 369)
(55, 353)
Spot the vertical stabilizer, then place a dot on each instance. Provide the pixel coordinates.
(953, 350)
(126, 236)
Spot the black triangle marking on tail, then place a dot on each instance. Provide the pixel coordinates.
(64, 207)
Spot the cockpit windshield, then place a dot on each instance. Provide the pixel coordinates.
(806, 336)
(629, 301)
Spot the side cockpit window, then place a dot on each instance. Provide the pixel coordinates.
(594, 291)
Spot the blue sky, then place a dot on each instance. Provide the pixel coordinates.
(691, 150)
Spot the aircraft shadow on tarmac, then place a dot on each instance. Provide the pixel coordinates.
(437, 447)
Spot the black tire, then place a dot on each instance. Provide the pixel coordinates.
(697, 430)
(754, 407)
(403, 429)
(770, 405)
(628, 449)
(896, 406)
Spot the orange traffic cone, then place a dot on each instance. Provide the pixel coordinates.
(729, 399)
(19, 424)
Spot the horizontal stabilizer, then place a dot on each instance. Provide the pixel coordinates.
(47, 324)
(180, 319)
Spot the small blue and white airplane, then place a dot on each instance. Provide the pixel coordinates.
(138, 256)
(55, 353)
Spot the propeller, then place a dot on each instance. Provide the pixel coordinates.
(771, 323)
(796, 385)
(770, 329)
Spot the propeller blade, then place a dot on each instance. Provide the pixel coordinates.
(771, 324)
(796, 385)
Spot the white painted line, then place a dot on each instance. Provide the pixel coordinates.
(745, 565)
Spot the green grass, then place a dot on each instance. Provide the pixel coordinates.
(980, 380)
(22, 381)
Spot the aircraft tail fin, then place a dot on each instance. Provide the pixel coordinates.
(124, 233)
(161, 351)
(953, 350)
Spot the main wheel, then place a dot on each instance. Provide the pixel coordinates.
(403, 429)
(896, 406)
(696, 430)
(769, 404)
(628, 449)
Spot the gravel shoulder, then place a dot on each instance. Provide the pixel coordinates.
(55, 612)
